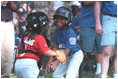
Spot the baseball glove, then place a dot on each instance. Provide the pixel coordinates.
(60, 55)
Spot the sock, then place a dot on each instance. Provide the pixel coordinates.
(115, 76)
(103, 76)
(98, 69)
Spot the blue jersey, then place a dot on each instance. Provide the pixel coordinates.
(87, 18)
(66, 39)
(109, 7)
(74, 23)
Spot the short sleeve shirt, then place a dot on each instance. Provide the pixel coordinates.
(87, 18)
(66, 39)
(38, 44)
(109, 7)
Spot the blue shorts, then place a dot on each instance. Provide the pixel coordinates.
(109, 36)
(90, 40)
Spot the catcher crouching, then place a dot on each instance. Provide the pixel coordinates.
(65, 40)
(33, 45)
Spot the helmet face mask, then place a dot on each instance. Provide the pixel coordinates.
(64, 12)
(37, 22)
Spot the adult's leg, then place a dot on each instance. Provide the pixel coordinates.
(98, 55)
(105, 59)
(87, 36)
(115, 63)
(108, 40)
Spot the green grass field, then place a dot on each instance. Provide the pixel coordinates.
(49, 75)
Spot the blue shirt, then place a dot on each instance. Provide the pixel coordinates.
(87, 18)
(109, 7)
(74, 23)
(66, 39)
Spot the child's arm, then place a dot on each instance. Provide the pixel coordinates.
(51, 59)
(50, 53)
(76, 28)
(88, 3)
(67, 50)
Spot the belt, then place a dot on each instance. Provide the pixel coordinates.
(5, 20)
(110, 15)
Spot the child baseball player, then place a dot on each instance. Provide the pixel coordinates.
(65, 40)
(33, 45)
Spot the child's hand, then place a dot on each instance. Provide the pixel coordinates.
(54, 64)
(48, 67)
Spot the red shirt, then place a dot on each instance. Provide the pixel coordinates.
(38, 44)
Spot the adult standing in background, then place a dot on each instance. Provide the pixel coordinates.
(7, 36)
(75, 22)
(108, 30)
(88, 36)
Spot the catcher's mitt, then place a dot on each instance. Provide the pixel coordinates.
(60, 55)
